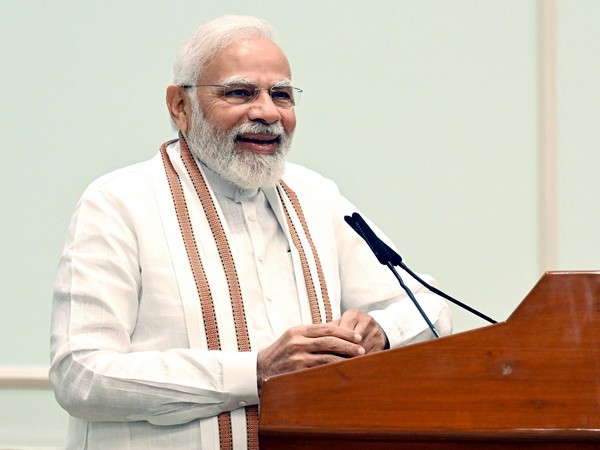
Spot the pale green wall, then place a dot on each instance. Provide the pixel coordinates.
(423, 111)
(579, 118)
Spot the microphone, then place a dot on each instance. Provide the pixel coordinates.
(388, 255)
(382, 251)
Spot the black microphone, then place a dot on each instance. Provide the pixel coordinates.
(382, 251)
(390, 255)
(385, 255)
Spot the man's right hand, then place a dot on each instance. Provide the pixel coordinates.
(307, 346)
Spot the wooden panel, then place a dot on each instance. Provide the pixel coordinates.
(535, 377)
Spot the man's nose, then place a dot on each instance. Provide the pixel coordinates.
(263, 109)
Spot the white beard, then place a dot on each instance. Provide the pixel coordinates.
(245, 169)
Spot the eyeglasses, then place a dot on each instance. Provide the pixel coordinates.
(239, 94)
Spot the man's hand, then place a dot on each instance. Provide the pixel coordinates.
(373, 337)
(308, 346)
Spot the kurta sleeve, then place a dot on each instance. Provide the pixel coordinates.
(120, 352)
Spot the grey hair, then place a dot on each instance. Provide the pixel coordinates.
(210, 39)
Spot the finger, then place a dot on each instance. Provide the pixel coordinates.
(318, 339)
(330, 329)
(375, 340)
(350, 319)
(335, 346)
(360, 322)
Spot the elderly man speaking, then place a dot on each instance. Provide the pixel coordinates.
(188, 280)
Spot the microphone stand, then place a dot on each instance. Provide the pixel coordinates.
(414, 300)
(390, 258)
(444, 295)
(387, 258)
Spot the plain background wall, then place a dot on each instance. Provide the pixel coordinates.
(424, 112)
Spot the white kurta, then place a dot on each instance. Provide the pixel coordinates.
(129, 358)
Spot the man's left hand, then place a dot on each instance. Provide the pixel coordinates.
(373, 337)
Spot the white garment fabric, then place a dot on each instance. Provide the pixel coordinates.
(264, 256)
(129, 358)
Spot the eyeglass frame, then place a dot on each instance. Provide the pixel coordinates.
(256, 92)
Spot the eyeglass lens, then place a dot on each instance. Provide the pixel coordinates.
(238, 94)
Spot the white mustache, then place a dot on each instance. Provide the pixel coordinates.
(275, 129)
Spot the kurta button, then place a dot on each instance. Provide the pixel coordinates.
(242, 404)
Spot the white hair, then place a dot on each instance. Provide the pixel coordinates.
(210, 39)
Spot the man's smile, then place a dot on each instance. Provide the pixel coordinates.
(259, 142)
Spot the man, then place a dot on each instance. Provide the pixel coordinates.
(190, 279)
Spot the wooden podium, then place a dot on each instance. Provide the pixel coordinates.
(531, 382)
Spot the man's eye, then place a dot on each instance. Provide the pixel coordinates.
(281, 94)
(238, 92)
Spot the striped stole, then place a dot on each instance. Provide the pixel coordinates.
(287, 197)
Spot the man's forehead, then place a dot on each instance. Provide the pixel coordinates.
(255, 58)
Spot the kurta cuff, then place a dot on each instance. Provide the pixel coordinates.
(388, 326)
(239, 378)
(404, 325)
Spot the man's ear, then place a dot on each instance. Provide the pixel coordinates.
(179, 107)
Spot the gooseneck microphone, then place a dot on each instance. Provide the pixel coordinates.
(389, 257)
